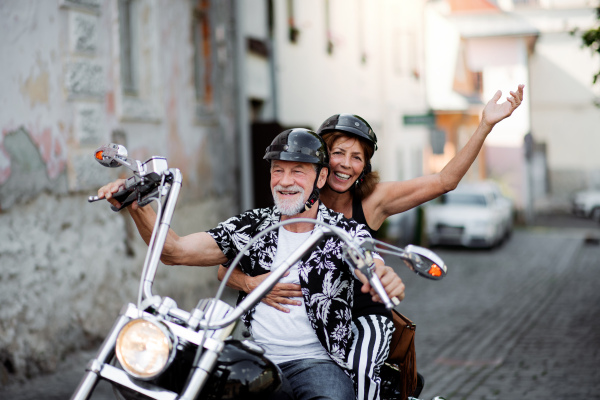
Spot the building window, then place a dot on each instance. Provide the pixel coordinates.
(138, 50)
(328, 36)
(128, 45)
(294, 32)
(360, 23)
(203, 66)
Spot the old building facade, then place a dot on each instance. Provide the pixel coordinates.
(157, 76)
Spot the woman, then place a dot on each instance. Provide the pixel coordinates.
(352, 147)
(354, 189)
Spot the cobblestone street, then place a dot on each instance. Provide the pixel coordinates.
(518, 322)
(521, 321)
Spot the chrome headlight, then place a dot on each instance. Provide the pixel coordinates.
(145, 348)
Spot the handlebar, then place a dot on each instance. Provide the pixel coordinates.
(147, 177)
(152, 179)
(356, 250)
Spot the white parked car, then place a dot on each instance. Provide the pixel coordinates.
(472, 215)
(586, 203)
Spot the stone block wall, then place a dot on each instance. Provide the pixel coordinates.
(67, 266)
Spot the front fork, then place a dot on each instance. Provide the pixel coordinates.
(104, 355)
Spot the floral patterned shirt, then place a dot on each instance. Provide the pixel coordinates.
(325, 278)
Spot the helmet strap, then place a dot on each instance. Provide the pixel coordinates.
(360, 179)
(314, 196)
(362, 175)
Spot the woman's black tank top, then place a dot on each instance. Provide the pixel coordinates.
(363, 304)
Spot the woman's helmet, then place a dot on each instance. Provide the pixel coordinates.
(298, 144)
(351, 124)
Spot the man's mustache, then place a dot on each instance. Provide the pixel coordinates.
(292, 188)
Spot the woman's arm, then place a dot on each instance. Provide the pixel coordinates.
(278, 296)
(391, 198)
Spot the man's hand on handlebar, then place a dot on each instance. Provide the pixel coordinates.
(107, 192)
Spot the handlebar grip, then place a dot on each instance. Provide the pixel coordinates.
(121, 195)
(125, 197)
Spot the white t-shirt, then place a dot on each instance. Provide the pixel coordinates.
(287, 336)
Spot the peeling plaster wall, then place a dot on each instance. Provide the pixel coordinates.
(66, 266)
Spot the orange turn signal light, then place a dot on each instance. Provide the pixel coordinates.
(99, 155)
(435, 270)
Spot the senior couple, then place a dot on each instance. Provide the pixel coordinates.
(322, 325)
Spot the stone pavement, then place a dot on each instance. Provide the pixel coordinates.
(519, 322)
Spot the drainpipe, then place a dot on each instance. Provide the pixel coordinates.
(242, 120)
(272, 58)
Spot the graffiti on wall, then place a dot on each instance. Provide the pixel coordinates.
(29, 164)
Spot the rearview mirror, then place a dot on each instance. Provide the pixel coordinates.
(424, 262)
(108, 155)
(114, 155)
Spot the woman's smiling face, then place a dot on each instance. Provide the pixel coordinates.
(347, 161)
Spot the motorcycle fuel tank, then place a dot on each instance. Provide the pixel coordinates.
(242, 373)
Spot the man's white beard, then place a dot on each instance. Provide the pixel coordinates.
(289, 207)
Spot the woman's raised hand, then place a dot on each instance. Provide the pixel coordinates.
(494, 112)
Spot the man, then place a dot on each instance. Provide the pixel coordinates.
(310, 344)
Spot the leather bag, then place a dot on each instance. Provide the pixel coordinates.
(402, 353)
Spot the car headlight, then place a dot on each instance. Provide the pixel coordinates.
(145, 348)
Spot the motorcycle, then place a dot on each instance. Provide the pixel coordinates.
(156, 350)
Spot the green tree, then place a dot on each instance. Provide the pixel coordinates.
(591, 38)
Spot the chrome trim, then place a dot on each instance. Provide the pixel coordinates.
(161, 235)
(422, 251)
(200, 375)
(166, 305)
(106, 351)
(173, 340)
(182, 332)
(154, 164)
(252, 346)
(94, 366)
(121, 378)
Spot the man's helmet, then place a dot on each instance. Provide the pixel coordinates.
(351, 124)
(298, 144)
(301, 145)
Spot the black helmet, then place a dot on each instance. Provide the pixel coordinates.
(349, 123)
(298, 144)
